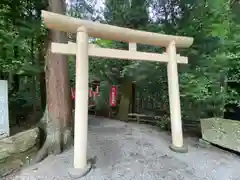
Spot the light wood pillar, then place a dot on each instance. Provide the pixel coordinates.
(174, 98)
(132, 46)
(81, 101)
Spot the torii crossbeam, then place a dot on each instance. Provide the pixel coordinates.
(82, 49)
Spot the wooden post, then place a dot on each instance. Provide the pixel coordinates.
(133, 97)
(132, 46)
(174, 100)
(81, 102)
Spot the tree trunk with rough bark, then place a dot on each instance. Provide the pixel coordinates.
(57, 119)
(41, 76)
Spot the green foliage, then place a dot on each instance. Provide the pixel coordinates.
(127, 13)
(21, 37)
(164, 123)
(205, 83)
(20, 26)
(213, 58)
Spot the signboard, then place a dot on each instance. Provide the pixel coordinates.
(113, 96)
(4, 119)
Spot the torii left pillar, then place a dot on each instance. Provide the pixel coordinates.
(81, 166)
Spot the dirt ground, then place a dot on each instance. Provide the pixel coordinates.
(129, 151)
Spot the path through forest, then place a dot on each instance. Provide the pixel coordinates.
(131, 151)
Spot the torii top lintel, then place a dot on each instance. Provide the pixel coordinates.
(65, 23)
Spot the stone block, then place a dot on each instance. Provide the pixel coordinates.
(222, 132)
(18, 143)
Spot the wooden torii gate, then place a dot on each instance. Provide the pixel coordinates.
(82, 49)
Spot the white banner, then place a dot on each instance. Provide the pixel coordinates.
(4, 116)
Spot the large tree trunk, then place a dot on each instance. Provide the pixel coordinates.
(57, 118)
(41, 76)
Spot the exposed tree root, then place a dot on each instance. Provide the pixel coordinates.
(42, 154)
(67, 138)
(57, 138)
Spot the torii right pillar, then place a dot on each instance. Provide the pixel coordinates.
(174, 100)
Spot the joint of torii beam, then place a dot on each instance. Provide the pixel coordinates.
(82, 49)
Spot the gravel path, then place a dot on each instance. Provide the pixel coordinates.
(128, 151)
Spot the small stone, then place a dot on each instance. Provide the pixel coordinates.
(35, 168)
